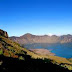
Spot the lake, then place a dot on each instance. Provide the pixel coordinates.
(61, 50)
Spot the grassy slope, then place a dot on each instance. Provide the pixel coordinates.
(9, 48)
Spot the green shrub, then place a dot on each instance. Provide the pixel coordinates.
(1, 51)
(21, 58)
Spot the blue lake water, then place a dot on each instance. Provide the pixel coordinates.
(62, 50)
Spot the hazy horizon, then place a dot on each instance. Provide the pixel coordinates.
(41, 34)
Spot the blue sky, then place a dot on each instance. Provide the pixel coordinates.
(39, 17)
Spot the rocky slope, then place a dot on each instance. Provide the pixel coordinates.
(15, 58)
(3, 33)
(29, 38)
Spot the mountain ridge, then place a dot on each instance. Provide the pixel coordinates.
(42, 35)
(30, 38)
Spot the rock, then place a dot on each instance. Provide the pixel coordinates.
(3, 33)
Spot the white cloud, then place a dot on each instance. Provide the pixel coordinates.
(50, 34)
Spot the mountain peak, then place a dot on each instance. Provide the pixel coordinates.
(3, 33)
(28, 34)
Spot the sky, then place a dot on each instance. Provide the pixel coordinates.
(38, 17)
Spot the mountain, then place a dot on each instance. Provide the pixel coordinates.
(29, 39)
(15, 58)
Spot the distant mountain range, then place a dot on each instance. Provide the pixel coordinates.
(29, 39)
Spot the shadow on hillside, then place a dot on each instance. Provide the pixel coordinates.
(29, 65)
